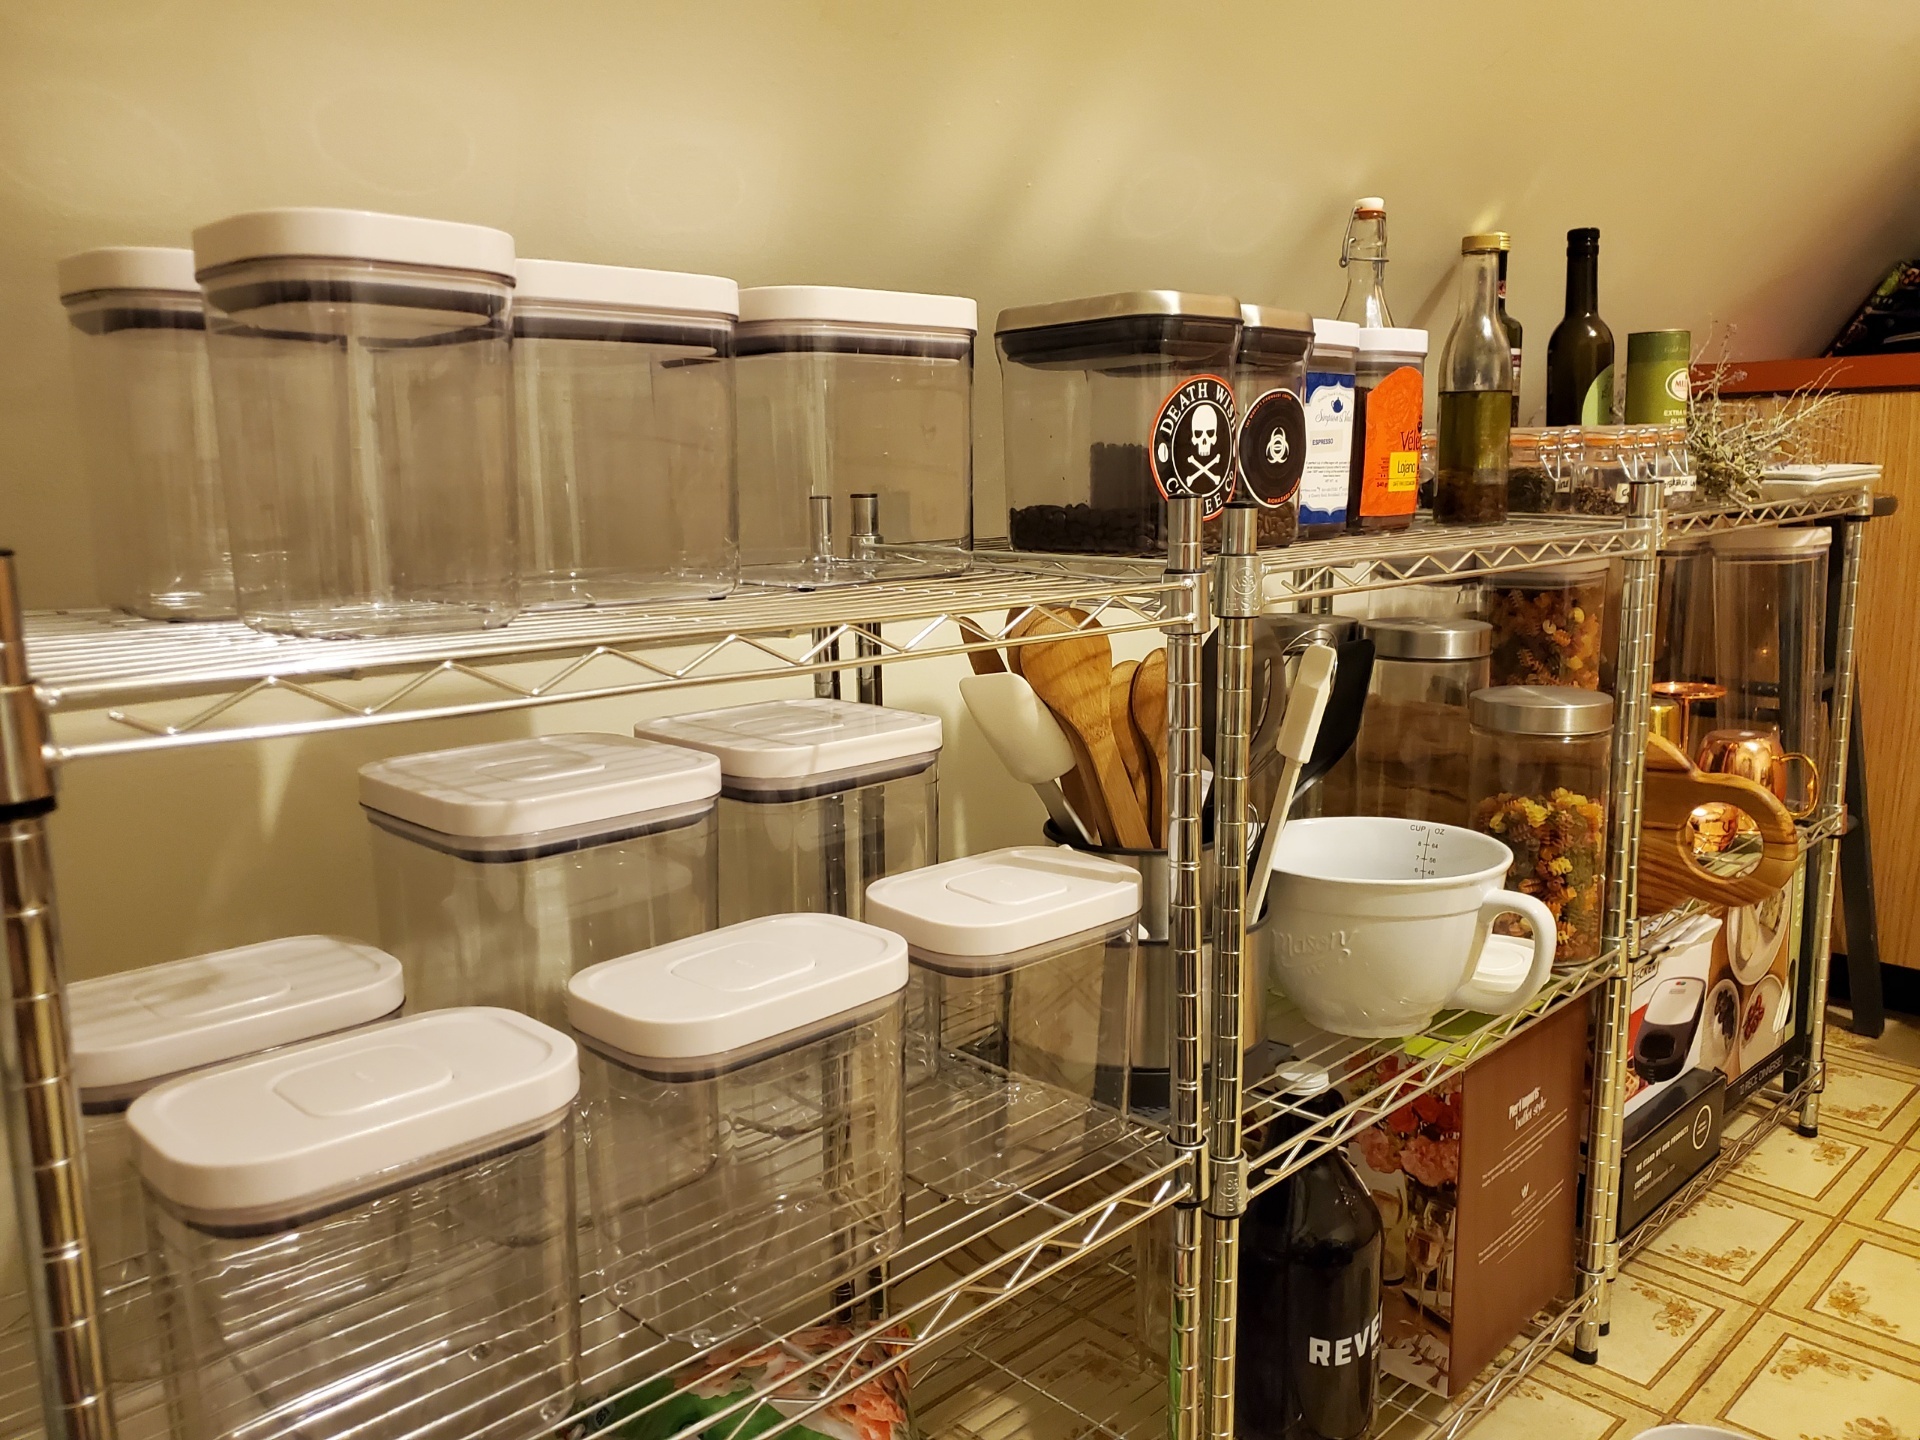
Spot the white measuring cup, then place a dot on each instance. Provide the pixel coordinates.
(1378, 924)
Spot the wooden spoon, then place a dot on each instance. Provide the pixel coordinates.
(1149, 707)
(1082, 795)
(984, 662)
(1074, 676)
(1125, 738)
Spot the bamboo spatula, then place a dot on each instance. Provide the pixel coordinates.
(1073, 674)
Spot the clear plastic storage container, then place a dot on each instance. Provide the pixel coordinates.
(1410, 757)
(1551, 626)
(743, 1094)
(1084, 385)
(625, 429)
(819, 798)
(1020, 1013)
(1538, 783)
(847, 393)
(1769, 619)
(1686, 667)
(145, 401)
(502, 869)
(1269, 393)
(1389, 406)
(133, 1030)
(370, 1235)
(362, 383)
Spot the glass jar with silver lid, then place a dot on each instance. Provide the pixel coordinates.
(1411, 752)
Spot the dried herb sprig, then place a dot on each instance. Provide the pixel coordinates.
(1731, 442)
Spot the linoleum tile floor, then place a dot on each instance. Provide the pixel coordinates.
(1785, 1304)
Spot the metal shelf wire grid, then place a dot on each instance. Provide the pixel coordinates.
(160, 685)
(1402, 1071)
(1832, 505)
(961, 1259)
(1765, 1110)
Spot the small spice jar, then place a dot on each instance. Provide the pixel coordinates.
(1601, 475)
(1549, 625)
(1538, 763)
(1411, 752)
(1540, 470)
(1330, 437)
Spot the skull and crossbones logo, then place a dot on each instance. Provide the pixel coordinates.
(1203, 465)
(1192, 450)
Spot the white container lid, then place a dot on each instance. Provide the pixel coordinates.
(1571, 572)
(143, 1025)
(310, 1123)
(1005, 901)
(1802, 542)
(1390, 339)
(838, 305)
(309, 232)
(1336, 334)
(128, 267)
(572, 283)
(800, 739)
(735, 987)
(546, 782)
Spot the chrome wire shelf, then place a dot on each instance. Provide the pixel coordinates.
(1418, 1065)
(960, 1260)
(1830, 505)
(19, 1381)
(1407, 1411)
(156, 685)
(1347, 564)
(1766, 1111)
(1068, 1362)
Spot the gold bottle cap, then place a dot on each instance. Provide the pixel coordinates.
(1485, 241)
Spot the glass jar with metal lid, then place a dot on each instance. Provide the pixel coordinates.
(1602, 477)
(1411, 753)
(1538, 771)
(1084, 384)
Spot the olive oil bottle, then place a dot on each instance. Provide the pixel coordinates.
(1476, 396)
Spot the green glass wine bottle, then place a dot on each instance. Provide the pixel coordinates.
(1580, 354)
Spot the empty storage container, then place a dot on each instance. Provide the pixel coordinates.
(819, 799)
(1085, 385)
(848, 393)
(362, 382)
(133, 1030)
(502, 869)
(744, 1119)
(139, 348)
(1020, 1012)
(625, 413)
(370, 1235)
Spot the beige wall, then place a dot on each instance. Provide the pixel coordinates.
(1750, 164)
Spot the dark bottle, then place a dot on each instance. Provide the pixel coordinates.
(1476, 397)
(1309, 1338)
(1580, 354)
(1515, 335)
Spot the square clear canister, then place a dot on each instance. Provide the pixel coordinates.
(502, 869)
(819, 799)
(1020, 1013)
(742, 1093)
(134, 1030)
(370, 1235)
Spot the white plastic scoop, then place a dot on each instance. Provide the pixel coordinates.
(1299, 727)
(1028, 740)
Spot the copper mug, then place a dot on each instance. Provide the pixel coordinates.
(1757, 755)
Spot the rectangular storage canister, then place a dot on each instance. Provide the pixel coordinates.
(502, 869)
(132, 1031)
(849, 393)
(1328, 476)
(1084, 384)
(139, 348)
(370, 1235)
(624, 380)
(819, 798)
(1389, 406)
(743, 1094)
(1020, 1012)
(362, 383)
(1269, 392)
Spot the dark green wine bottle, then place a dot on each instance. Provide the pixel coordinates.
(1580, 354)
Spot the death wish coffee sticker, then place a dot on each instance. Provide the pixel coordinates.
(1192, 445)
(1272, 447)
